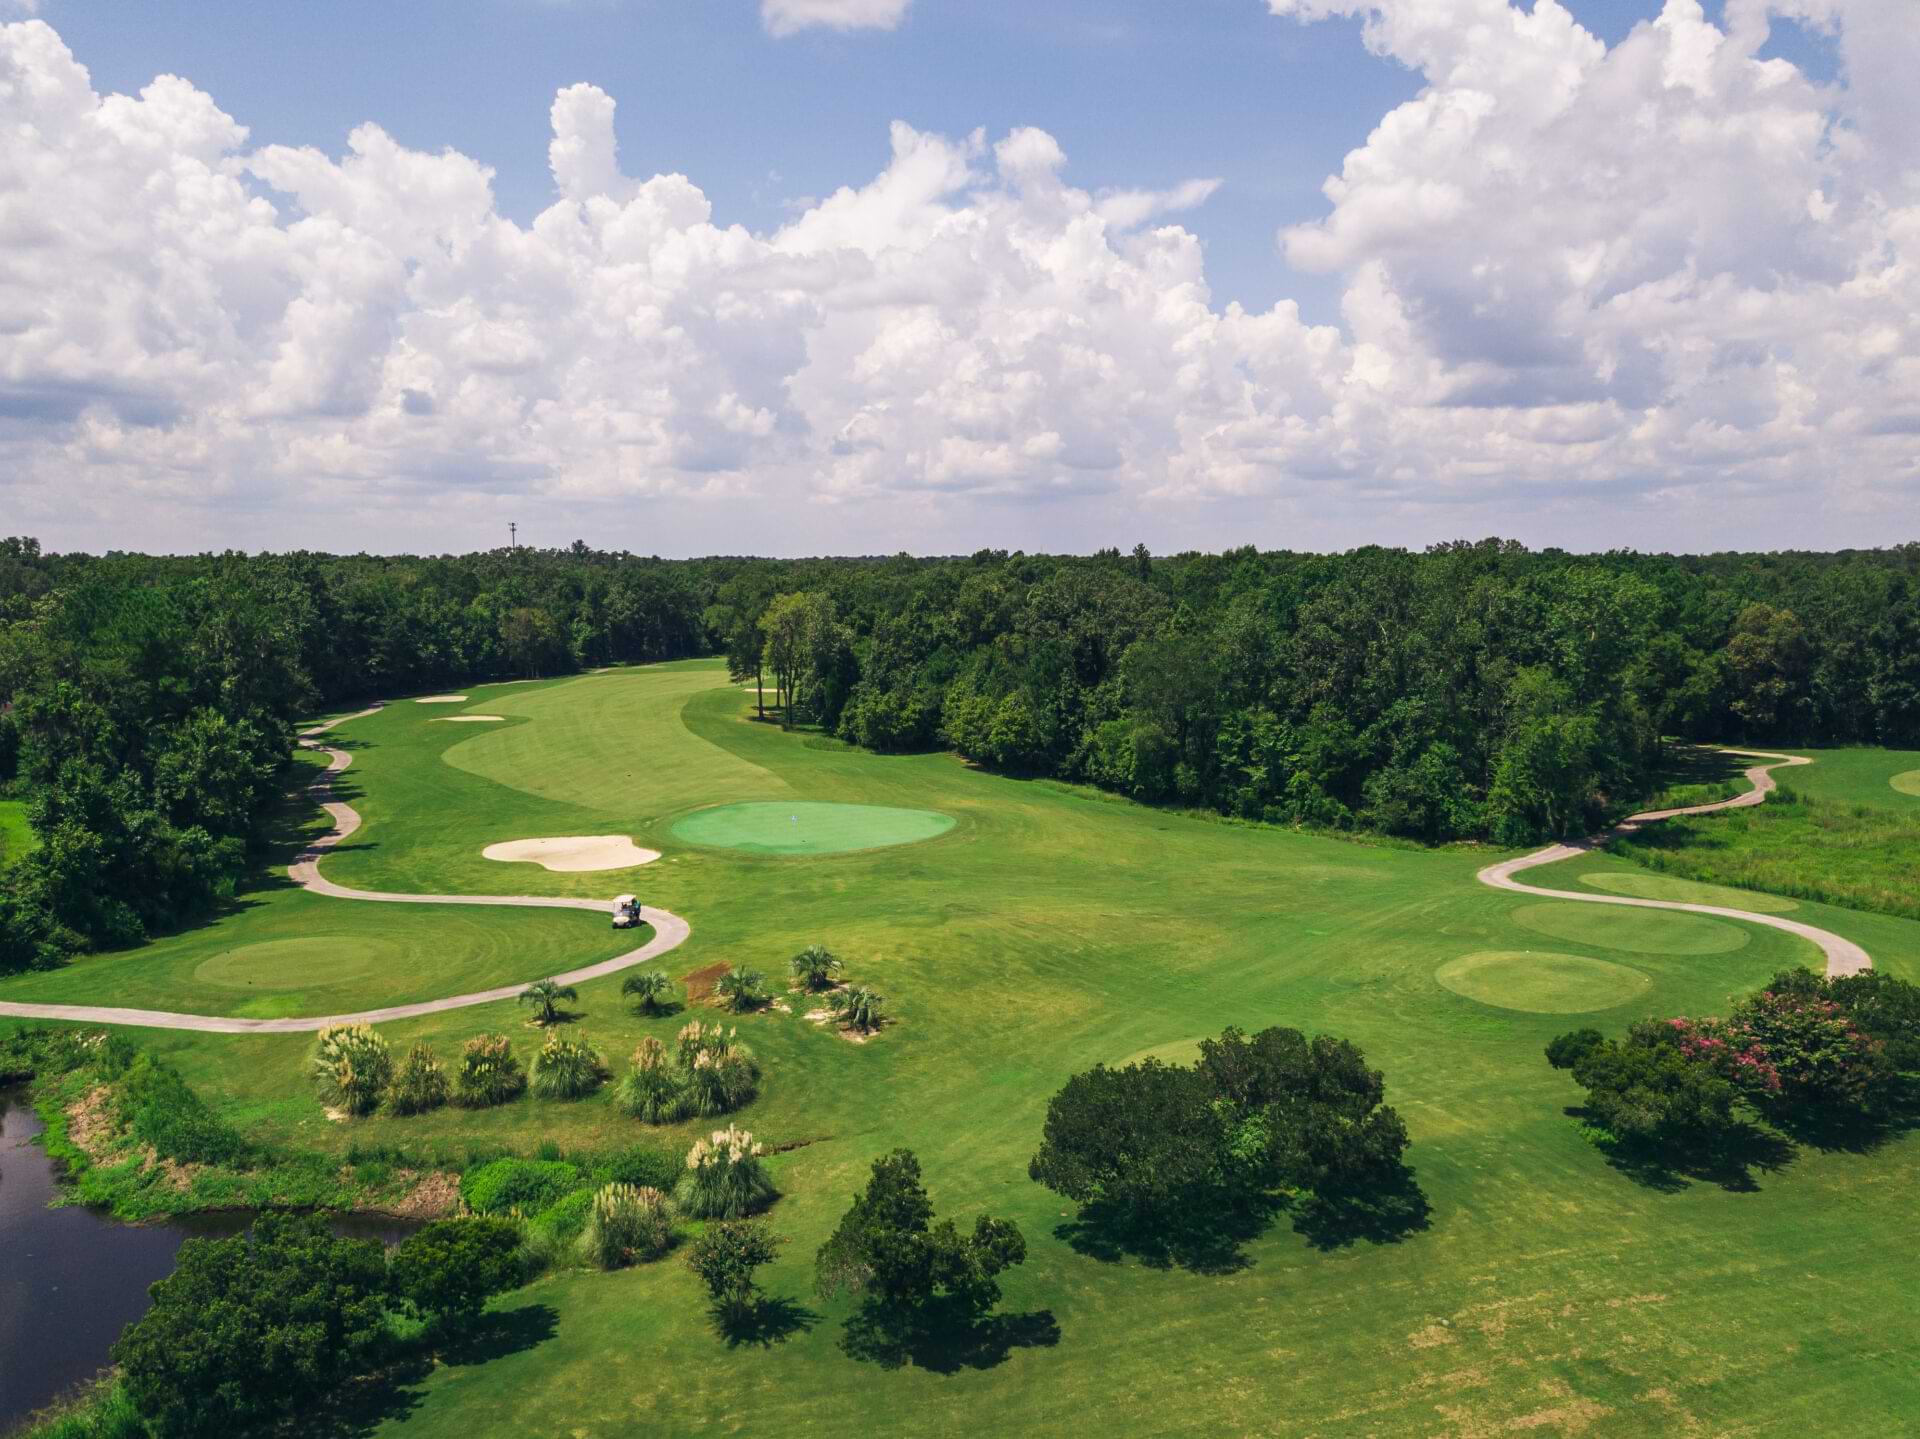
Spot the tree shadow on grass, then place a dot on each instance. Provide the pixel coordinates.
(1668, 1168)
(945, 1336)
(1205, 1234)
(1383, 1213)
(768, 1321)
(362, 1406)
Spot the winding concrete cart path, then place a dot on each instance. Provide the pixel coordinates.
(669, 932)
(1843, 955)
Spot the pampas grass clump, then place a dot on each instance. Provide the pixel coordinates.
(489, 1074)
(724, 1178)
(352, 1066)
(420, 1083)
(565, 1068)
(627, 1224)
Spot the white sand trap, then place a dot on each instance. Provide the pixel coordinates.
(574, 852)
(442, 700)
(469, 719)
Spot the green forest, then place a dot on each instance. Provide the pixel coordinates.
(1471, 691)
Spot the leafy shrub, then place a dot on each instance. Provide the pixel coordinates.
(526, 1185)
(489, 1074)
(724, 1178)
(627, 1225)
(163, 1110)
(448, 1270)
(563, 1220)
(420, 1083)
(353, 1067)
(643, 1167)
(725, 1257)
(1569, 1049)
(565, 1068)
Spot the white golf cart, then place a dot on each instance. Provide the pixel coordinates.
(626, 911)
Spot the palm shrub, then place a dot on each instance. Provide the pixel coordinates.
(627, 1224)
(653, 1091)
(815, 967)
(420, 1083)
(545, 996)
(353, 1066)
(724, 1178)
(859, 1007)
(650, 990)
(565, 1068)
(489, 1074)
(742, 989)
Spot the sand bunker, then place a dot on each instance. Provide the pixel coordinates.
(442, 700)
(469, 719)
(574, 852)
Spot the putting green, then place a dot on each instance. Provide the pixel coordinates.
(1540, 981)
(297, 963)
(1644, 931)
(795, 827)
(1688, 891)
(1907, 782)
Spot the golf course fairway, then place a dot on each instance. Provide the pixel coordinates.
(1047, 929)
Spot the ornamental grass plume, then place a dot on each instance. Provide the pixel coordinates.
(352, 1067)
(565, 1068)
(653, 1092)
(724, 1178)
(628, 1224)
(420, 1083)
(489, 1074)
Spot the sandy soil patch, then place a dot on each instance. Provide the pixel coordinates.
(574, 852)
(700, 982)
(442, 700)
(436, 1196)
(469, 719)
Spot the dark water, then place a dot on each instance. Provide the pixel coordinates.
(71, 1279)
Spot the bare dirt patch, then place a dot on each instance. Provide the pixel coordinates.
(436, 1196)
(700, 982)
(573, 853)
(91, 1123)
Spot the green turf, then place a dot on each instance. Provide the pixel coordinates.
(1687, 891)
(17, 839)
(1859, 776)
(1907, 782)
(1635, 931)
(1050, 929)
(808, 827)
(1542, 982)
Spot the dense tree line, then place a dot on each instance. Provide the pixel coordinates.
(1473, 690)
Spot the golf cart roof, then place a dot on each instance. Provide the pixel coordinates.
(623, 899)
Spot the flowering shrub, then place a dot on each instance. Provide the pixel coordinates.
(352, 1066)
(724, 1179)
(1817, 1053)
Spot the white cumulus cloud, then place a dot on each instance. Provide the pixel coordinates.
(1667, 291)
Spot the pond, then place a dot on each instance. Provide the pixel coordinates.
(71, 1279)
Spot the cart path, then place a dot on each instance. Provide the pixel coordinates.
(669, 932)
(1843, 955)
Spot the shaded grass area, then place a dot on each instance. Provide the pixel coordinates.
(1521, 1282)
(1857, 855)
(17, 839)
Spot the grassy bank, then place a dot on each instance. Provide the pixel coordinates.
(1857, 855)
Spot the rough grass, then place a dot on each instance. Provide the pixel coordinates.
(1858, 855)
(1048, 930)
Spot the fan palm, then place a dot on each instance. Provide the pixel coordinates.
(545, 995)
(650, 988)
(859, 1007)
(742, 989)
(815, 967)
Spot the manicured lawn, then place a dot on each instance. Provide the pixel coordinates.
(1049, 929)
(1883, 778)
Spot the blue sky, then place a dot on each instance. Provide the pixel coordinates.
(1602, 273)
(1138, 93)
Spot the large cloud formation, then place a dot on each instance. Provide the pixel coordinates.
(1665, 291)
